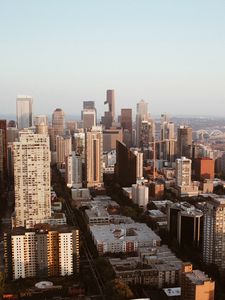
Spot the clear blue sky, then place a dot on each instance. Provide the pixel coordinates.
(169, 52)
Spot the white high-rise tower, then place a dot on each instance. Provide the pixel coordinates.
(32, 178)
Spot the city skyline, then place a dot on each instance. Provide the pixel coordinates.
(168, 54)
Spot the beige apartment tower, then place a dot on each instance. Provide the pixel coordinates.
(32, 178)
(94, 156)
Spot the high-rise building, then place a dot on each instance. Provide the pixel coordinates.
(126, 124)
(24, 111)
(185, 224)
(63, 148)
(58, 126)
(183, 171)
(58, 121)
(40, 119)
(167, 145)
(142, 115)
(3, 149)
(32, 178)
(139, 162)
(203, 168)
(110, 136)
(88, 104)
(110, 100)
(89, 118)
(43, 251)
(94, 156)
(195, 284)
(184, 141)
(109, 116)
(140, 194)
(214, 232)
(126, 165)
(146, 134)
(78, 144)
(74, 170)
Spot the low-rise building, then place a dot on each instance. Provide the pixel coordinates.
(155, 267)
(117, 238)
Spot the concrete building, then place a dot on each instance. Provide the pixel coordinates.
(12, 134)
(94, 156)
(196, 285)
(42, 251)
(74, 170)
(63, 148)
(40, 119)
(110, 136)
(214, 232)
(42, 129)
(183, 171)
(89, 118)
(142, 115)
(3, 150)
(139, 162)
(155, 267)
(156, 190)
(185, 224)
(147, 133)
(203, 168)
(24, 111)
(78, 144)
(32, 178)
(126, 165)
(126, 124)
(58, 126)
(140, 194)
(109, 116)
(184, 141)
(123, 237)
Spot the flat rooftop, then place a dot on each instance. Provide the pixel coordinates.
(138, 232)
(172, 292)
(198, 277)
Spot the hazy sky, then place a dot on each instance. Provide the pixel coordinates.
(169, 52)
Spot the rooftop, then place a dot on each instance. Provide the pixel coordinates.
(138, 232)
(173, 292)
(198, 277)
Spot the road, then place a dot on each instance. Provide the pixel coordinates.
(72, 217)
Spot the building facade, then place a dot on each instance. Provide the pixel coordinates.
(32, 178)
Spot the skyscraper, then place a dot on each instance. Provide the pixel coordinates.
(89, 118)
(32, 178)
(167, 145)
(94, 156)
(63, 148)
(110, 100)
(74, 170)
(142, 115)
(109, 116)
(58, 122)
(3, 149)
(126, 165)
(126, 124)
(24, 111)
(183, 171)
(214, 232)
(58, 126)
(184, 141)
